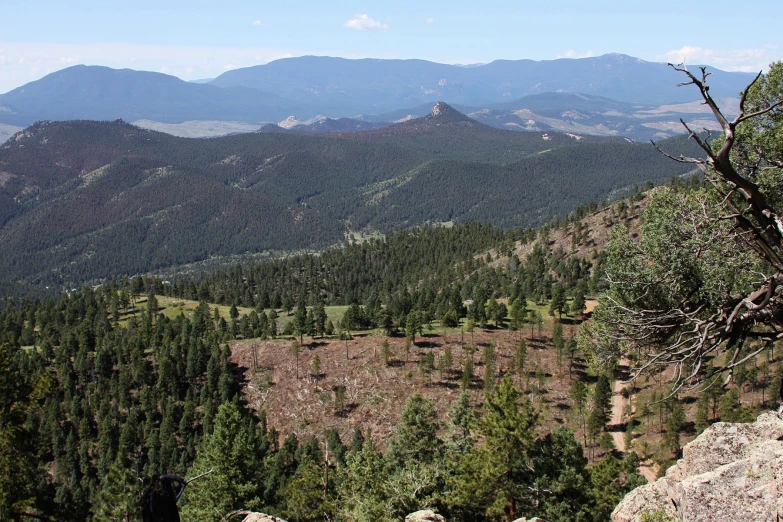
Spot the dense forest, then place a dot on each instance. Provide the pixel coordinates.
(96, 407)
(103, 391)
(90, 201)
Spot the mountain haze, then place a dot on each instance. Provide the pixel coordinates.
(101, 93)
(606, 95)
(373, 85)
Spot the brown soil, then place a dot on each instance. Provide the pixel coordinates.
(376, 392)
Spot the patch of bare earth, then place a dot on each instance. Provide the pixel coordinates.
(376, 392)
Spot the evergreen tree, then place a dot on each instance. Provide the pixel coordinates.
(461, 420)
(496, 476)
(559, 302)
(304, 494)
(561, 484)
(18, 445)
(489, 367)
(118, 495)
(233, 451)
(417, 438)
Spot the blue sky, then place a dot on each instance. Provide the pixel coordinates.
(197, 39)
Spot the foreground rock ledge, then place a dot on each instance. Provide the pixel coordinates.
(731, 472)
(261, 517)
(425, 515)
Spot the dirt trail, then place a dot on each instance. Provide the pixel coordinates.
(619, 403)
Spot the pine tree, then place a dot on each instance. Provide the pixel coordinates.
(304, 494)
(496, 475)
(315, 364)
(561, 484)
(558, 303)
(362, 492)
(461, 420)
(674, 425)
(467, 373)
(489, 367)
(520, 357)
(118, 496)
(417, 438)
(599, 414)
(295, 348)
(233, 451)
(18, 451)
(557, 339)
(386, 352)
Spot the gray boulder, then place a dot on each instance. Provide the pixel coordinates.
(261, 517)
(731, 472)
(425, 515)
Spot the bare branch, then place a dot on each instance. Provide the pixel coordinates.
(681, 159)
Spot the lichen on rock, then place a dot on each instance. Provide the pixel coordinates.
(731, 472)
(425, 515)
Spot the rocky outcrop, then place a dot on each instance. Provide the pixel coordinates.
(261, 517)
(425, 515)
(731, 472)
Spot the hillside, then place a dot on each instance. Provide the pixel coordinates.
(436, 335)
(86, 200)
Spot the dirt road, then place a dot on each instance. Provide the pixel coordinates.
(619, 403)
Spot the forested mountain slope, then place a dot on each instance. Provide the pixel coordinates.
(445, 370)
(86, 200)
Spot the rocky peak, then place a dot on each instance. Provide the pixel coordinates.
(731, 472)
(444, 112)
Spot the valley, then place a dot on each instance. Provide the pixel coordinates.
(355, 289)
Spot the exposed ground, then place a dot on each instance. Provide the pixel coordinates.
(376, 391)
(198, 128)
(6, 131)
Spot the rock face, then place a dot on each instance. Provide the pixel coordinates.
(425, 515)
(261, 517)
(731, 472)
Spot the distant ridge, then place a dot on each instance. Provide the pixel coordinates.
(341, 87)
(374, 86)
(124, 200)
(101, 93)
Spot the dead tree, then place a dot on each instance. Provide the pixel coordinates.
(742, 215)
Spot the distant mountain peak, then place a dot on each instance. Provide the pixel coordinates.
(446, 113)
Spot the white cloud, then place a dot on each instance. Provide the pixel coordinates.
(429, 20)
(573, 54)
(362, 22)
(747, 60)
(21, 63)
(259, 23)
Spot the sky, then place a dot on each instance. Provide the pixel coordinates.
(195, 39)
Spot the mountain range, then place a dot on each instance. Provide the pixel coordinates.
(85, 200)
(607, 95)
